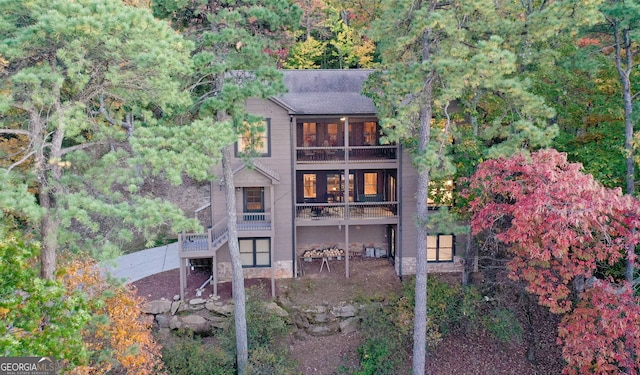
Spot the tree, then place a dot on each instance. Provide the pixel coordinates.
(561, 227)
(231, 66)
(621, 19)
(118, 336)
(80, 79)
(37, 316)
(433, 55)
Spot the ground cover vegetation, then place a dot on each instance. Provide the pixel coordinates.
(92, 108)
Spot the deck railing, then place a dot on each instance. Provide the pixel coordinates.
(354, 210)
(254, 221)
(357, 154)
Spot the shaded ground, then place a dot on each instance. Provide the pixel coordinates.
(369, 279)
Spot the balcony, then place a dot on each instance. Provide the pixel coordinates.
(355, 154)
(350, 211)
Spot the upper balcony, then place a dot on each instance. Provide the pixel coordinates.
(341, 140)
(352, 154)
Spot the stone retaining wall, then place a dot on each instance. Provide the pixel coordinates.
(204, 316)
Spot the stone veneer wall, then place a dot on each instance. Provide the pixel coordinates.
(409, 266)
(283, 270)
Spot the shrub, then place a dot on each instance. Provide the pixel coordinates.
(385, 346)
(264, 330)
(187, 355)
(263, 327)
(503, 325)
(269, 361)
(449, 307)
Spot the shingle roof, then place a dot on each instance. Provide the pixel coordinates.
(326, 92)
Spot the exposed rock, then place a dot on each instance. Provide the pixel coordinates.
(175, 322)
(344, 310)
(218, 321)
(176, 297)
(220, 308)
(156, 307)
(300, 321)
(273, 308)
(182, 307)
(196, 323)
(320, 309)
(320, 318)
(322, 329)
(162, 320)
(175, 305)
(349, 325)
(197, 301)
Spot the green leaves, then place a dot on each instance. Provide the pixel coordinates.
(36, 317)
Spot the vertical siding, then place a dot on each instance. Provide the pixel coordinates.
(279, 161)
(409, 181)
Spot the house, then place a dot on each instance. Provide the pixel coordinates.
(322, 181)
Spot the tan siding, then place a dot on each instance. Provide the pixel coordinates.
(409, 182)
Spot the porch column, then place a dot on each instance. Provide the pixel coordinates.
(273, 241)
(346, 242)
(183, 276)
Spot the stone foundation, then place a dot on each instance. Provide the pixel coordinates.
(283, 270)
(409, 266)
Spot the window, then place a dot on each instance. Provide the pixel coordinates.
(440, 193)
(255, 252)
(440, 248)
(309, 134)
(332, 132)
(253, 202)
(309, 183)
(370, 183)
(370, 133)
(255, 139)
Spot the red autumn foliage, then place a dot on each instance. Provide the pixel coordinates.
(602, 334)
(558, 225)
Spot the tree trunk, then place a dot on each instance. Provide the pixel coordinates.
(623, 44)
(422, 194)
(49, 228)
(236, 265)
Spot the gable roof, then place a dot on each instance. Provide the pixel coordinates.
(326, 92)
(258, 166)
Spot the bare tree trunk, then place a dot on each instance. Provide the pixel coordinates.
(49, 228)
(623, 44)
(242, 347)
(422, 194)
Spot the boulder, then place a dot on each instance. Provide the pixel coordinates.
(322, 329)
(160, 306)
(320, 318)
(175, 322)
(220, 308)
(197, 301)
(196, 323)
(175, 306)
(300, 321)
(162, 320)
(349, 325)
(344, 310)
(273, 308)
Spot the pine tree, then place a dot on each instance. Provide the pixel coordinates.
(236, 59)
(78, 80)
(436, 55)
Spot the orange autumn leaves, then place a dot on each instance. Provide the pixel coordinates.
(118, 336)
